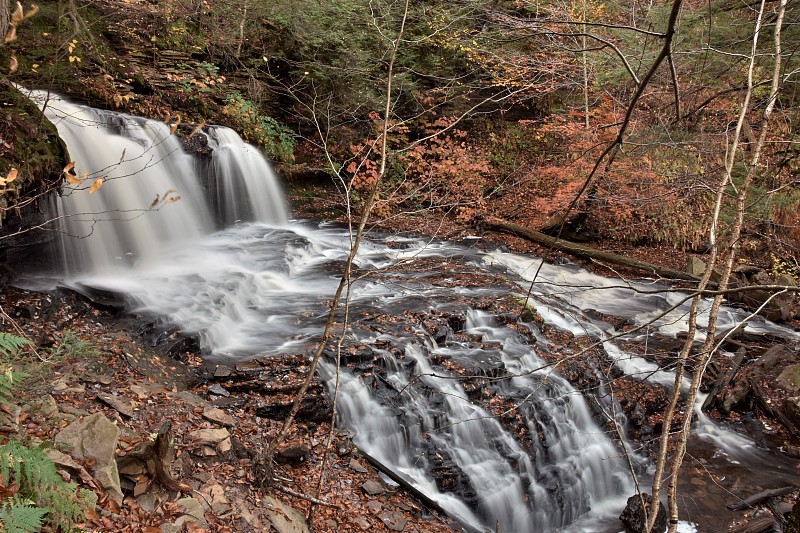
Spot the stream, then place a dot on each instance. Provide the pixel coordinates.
(222, 260)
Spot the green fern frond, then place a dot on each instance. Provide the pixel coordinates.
(39, 481)
(11, 344)
(17, 517)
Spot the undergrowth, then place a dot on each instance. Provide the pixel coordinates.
(32, 493)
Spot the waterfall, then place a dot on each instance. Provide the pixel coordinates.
(150, 194)
(244, 182)
(223, 262)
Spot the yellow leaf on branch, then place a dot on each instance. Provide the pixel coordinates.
(69, 167)
(96, 185)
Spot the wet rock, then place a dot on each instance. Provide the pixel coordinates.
(633, 517)
(95, 438)
(312, 409)
(791, 408)
(222, 371)
(793, 524)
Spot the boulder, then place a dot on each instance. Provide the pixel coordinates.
(789, 378)
(791, 408)
(793, 524)
(633, 517)
(285, 519)
(695, 267)
(95, 438)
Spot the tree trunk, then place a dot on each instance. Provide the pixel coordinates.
(585, 251)
(5, 16)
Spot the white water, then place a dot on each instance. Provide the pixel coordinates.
(259, 288)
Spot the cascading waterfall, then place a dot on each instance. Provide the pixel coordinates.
(243, 179)
(150, 194)
(259, 287)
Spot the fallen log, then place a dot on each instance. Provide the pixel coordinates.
(724, 379)
(758, 525)
(428, 502)
(582, 250)
(760, 497)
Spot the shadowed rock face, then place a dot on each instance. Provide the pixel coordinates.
(634, 517)
(30, 144)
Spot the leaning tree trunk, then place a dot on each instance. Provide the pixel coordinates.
(5, 16)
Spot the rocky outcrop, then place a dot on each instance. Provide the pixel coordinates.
(94, 440)
(634, 517)
(30, 144)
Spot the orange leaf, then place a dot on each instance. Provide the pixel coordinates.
(69, 166)
(12, 175)
(96, 185)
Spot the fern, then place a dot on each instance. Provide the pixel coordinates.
(19, 517)
(11, 344)
(40, 484)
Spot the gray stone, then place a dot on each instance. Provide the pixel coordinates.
(191, 399)
(95, 438)
(789, 378)
(695, 267)
(285, 519)
(122, 405)
(210, 435)
(373, 487)
(45, 406)
(215, 498)
(217, 389)
(358, 467)
(217, 415)
(394, 520)
(193, 512)
(9, 417)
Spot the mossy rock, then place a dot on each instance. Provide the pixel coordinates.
(29, 143)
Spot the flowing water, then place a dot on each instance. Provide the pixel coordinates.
(224, 262)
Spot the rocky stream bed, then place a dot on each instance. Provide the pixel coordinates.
(141, 373)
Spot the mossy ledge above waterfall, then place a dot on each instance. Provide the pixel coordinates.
(30, 144)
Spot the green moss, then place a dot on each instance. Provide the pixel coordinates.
(30, 143)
